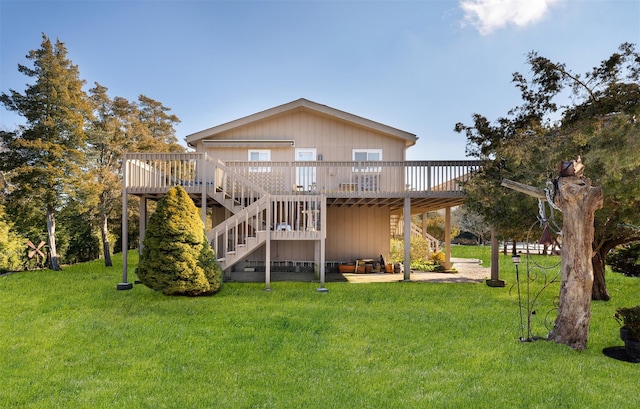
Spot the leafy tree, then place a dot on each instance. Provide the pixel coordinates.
(176, 257)
(47, 154)
(78, 236)
(436, 225)
(122, 126)
(600, 125)
(471, 222)
(107, 139)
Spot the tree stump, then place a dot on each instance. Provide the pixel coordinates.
(578, 201)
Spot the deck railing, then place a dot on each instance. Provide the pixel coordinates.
(145, 172)
(359, 178)
(153, 172)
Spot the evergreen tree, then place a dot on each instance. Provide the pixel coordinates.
(47, 154)
(156, 132)
(601, 126)
(176, 257)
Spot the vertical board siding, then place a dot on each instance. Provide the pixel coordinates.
(334, 139)
(357, 232)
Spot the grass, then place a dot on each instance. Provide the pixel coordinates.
(69, 339)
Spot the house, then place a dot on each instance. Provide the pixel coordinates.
(299, 184)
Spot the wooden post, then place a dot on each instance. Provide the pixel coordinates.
(495, 280)
(267, 244)
(407, 239)
(578, 201)
(323, 230)
(447, 238)
(142, 227)
(124, 284)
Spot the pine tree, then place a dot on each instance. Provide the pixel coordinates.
(156, 132)
(176, 258)
(47, 154)
(601, 125)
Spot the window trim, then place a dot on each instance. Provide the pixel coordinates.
(367, 151)
(259, 152)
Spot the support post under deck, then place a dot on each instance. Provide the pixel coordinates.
(407, 239)
(124, 285)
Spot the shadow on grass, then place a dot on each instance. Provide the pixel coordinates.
(619, 353)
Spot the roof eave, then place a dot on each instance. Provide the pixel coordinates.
(313, 106)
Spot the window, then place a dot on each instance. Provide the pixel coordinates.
(364, 155)
(367, 155)
(260, 155)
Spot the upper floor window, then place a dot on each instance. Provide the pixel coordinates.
(364, 155)
(260, 155)
(367, 155)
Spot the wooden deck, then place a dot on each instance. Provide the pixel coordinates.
(287, 200)
(431, 184)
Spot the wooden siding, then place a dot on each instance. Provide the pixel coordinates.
(357, 232)
(352, 233)
(285, 250)
(333, 139)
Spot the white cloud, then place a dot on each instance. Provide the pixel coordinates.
(489, 15)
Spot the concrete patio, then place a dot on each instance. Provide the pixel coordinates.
(466, 271)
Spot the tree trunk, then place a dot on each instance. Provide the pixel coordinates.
(51, 231)
(106, 246)
(578, 201)
(599, 291)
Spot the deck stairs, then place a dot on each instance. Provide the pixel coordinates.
(232, 190)
(397, 230)
(258, 215)
(241, 234)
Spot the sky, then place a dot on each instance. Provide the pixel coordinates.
(420, 66)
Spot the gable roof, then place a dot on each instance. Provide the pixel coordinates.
(304, 104)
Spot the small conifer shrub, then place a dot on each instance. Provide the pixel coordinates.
(626, 259)
(176, 257)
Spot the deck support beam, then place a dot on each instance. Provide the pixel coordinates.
(447, 238)
(267, 251)
(124, 284)
(203, 178)
(495, 280)
(322, 243)
(142, 223)
(407, 239)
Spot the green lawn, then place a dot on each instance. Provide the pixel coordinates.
(69, 339)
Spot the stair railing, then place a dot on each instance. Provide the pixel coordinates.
(231, 184)
(226, 237)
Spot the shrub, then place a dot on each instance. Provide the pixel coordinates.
(12, 247)
(625, 259)
(421, 256)
(396, 254)
(176, 258)
(438, 257)
(629, 318)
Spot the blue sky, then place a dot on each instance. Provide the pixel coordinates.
(420, 66)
